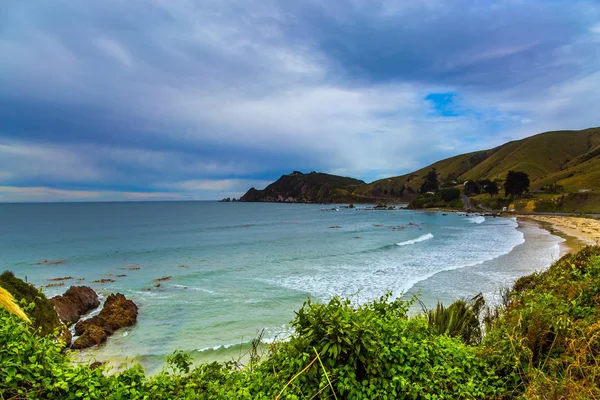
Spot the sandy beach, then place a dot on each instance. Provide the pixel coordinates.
(578, 231)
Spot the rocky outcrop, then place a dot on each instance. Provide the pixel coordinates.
(306, 188)
(118, 312)
(76, 301)
(93, 336)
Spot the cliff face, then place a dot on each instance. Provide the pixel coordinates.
(306, 188)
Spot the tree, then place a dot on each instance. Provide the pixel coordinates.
(489, 187)
(450, 194)
(516, 183)
(471, 188)
(431, 183)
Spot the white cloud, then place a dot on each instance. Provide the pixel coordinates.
(27, 161)
(237, 75)
(116, 51)
(10, 194)
(215, 185)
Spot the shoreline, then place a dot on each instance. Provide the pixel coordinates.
(578, 232)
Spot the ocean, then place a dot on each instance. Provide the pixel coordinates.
(237, 269)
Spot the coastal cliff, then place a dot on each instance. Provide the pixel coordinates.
(314, 187)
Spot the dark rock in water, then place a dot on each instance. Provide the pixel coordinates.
(96, 364)
(118, 312)
(76, 301)
(93, 336)
(164, 278)
(104, 280)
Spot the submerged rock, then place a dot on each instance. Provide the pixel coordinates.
(76, 301)
(118, 312)
(93, 336)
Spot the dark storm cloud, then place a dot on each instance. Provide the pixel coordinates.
(204, 98)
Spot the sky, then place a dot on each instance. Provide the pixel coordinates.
(197, 100)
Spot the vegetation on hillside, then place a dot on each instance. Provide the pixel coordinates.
(542, 342)
(306, 188)
(570, 159)
(561, 162)
(43, 317)
(430, 196)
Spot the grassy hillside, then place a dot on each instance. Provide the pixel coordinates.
(567, 158)
(570, 159)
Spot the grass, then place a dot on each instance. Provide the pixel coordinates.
(569, 158)
(548, 337)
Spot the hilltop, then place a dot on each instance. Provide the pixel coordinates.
(314, 187)
(569, 160)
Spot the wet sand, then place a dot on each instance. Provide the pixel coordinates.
(577, 231)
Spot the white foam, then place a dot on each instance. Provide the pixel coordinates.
(478, 219)
(368, 276)
(280, 334)
(421, 238)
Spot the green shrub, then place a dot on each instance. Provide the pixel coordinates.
(547, 342)
(460, 319)
(450, 194)
(544, 343)
(43, 317)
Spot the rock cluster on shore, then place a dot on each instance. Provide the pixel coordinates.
(118, 312)
(74, 303)
(68, 308)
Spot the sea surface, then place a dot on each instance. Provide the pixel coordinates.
(240, 268)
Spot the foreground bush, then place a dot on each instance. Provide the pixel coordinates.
(546, 344)
(543, 344)
(370, 351)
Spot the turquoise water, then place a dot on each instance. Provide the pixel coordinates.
(248, 266)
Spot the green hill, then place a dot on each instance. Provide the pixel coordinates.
(306, 188)
(567, 158)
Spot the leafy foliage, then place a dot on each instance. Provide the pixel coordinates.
(430, 183)
(544, 343)
(450, 194)
(43, 316)
(460, 319)
(547, 342)
(516, 183)
(471, 188)
(489, 187)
